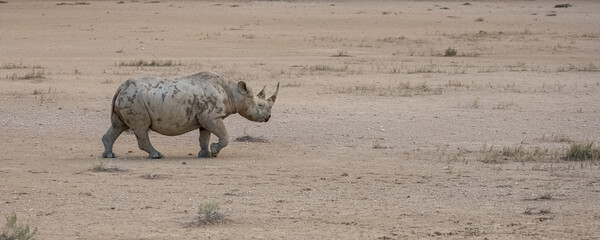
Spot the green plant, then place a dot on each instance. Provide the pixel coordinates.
(581, 152)
(15, 231)
(209, 213)
(479, 20)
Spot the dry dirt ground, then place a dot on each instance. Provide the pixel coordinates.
(375, 133)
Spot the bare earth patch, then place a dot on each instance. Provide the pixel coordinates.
(395, 120)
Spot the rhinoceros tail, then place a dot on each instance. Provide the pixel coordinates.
(115, 117)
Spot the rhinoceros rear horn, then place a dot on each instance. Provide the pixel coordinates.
(272, 98)
(261, 94)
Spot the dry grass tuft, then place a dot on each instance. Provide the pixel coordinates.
(563, 5)
(152, 63)
(247, 138)
(377, 144)
(341, 53)
(73, 3)
(545, 196)
(209, 213)
(393, 90)
(590, 67)
(18, 66)
(102, 166)
(518, 154)
(35, 75)
(155, 176)
(583, 151)
(15, 231)
(450, 52)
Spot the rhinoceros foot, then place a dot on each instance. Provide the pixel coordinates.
(155, 155)
(215, 148)
(204, 154)
(108, 155)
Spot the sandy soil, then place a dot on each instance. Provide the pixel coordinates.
(375, 134)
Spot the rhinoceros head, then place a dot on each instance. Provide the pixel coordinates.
(255, 107)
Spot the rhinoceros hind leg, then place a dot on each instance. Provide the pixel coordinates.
(109, 139)
(204, 139)
(144, 143)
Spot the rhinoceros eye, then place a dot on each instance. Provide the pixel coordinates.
(261, 105)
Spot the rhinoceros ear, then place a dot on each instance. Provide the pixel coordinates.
(243, 89)
(261, 94)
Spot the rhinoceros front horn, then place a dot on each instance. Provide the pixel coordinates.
(272, 98)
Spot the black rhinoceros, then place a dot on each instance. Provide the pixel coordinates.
(174, 107)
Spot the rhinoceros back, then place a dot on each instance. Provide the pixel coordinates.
(168, 107)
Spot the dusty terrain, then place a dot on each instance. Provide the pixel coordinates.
(375, 133)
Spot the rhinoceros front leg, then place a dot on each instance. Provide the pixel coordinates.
(217, 127)
(109, 139)
(204, 140)
(144, 143)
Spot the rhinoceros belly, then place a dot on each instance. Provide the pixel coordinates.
(172, 109)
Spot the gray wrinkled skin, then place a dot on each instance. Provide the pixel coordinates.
(199, 101)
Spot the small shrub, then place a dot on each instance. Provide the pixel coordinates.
(378, 145)
(248, 138)
(564, 5)
(16, 231)
(18, 66)
(33, 75)
(450, 52)
(153, 63)
(479, 20)
(519, 154)
(320, 67)
(581, 152)
(209, 213)
(326, 68)
(476, 103)
(392, 39)
(75, 3)
(102, 166)
(155, 176)
(341, 53)
(590, 67)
